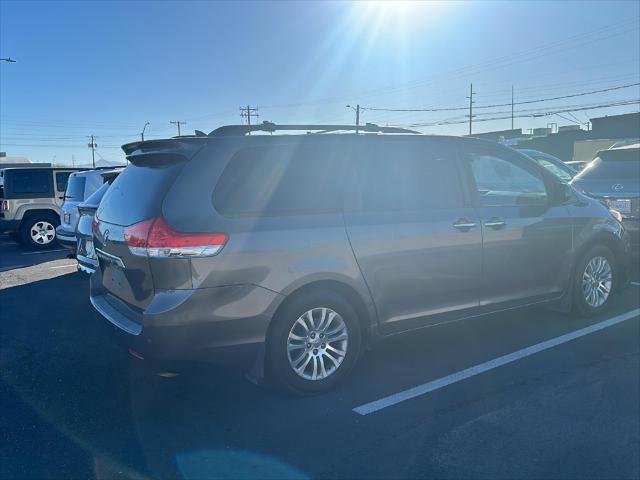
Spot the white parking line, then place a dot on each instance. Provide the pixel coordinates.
(65, 266)
(637, 284)
(44, 251)
(396, 398)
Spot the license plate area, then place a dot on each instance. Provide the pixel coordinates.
(89, 250)
(621, 205)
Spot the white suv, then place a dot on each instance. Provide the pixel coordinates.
(79, 187)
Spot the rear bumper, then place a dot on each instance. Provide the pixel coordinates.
(225, 325)
(86, 264)
(66, 238)
(85, 255)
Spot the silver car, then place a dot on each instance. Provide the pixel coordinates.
(80, 186)
(613, 177)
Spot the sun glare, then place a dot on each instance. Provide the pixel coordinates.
(399, 13)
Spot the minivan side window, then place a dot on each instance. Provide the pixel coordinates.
(282, 179)
(407, 176)
(500, 182)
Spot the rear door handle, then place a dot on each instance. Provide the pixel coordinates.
(464, 224)
(495, 223)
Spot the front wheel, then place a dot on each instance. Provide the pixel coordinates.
(314, 343)
(594, 280)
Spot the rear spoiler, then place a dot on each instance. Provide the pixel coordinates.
(183, 146)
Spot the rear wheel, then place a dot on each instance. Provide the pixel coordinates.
(594, 280)
(314, 343)
(39, 231)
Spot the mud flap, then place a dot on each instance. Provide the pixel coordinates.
(256, 373)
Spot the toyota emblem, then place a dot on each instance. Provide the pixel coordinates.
(617, 187)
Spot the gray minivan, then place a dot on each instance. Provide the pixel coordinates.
(301, 250)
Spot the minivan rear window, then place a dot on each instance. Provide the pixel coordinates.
(282, 179)
(137, 193)
(75, 188)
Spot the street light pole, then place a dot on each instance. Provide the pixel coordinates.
(357, 110)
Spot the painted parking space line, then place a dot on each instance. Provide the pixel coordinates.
(43, 251)
(64, 266)
(425, 388)
(637, 284)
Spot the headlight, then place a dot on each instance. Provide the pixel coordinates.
(616, 214)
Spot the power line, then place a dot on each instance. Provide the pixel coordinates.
(471, 102)
(177, 123)
(530, 115)
(449, 109)
(248, 112)
(537, 51)
(93, 145)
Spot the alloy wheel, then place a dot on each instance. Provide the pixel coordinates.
(317, 343)
(597, 281)
(42, 232)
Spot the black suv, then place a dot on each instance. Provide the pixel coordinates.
(299, 250)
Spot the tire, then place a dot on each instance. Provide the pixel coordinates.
(45, 224)
(583, 304)
(289, 320)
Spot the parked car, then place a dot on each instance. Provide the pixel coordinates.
(300, 250)
(80, 186)
(551, 163)
(85, 254)
(30, 203)
(614, 178)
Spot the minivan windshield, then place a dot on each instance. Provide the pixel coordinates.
(75, 188)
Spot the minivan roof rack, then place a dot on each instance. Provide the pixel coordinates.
(238, 130)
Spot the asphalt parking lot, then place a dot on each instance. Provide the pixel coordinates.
(74, 405)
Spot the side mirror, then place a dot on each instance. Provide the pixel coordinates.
(561, 193)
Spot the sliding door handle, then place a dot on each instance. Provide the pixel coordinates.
(495, 223)
(464, 225)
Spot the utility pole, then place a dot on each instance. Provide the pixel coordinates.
(357, 110)
(471, 102)
(511, 107)
(93, 145)
(145, 127)
(177, 123)
(248, 112)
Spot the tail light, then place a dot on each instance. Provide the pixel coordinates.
(154, 238)
(5, 205)
(94, 224)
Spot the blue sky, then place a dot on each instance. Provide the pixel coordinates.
(106, 68)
